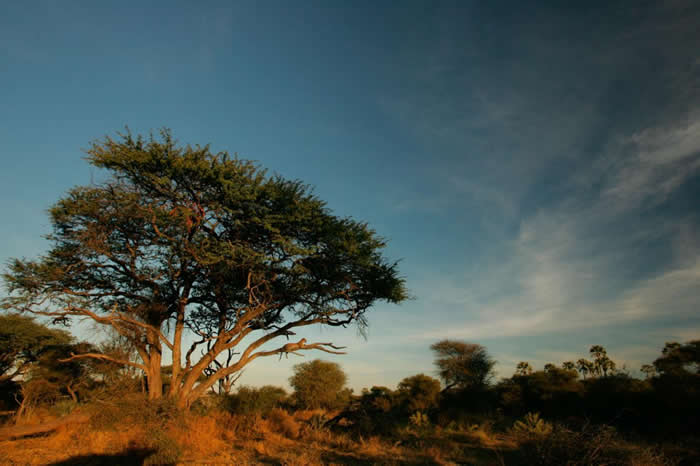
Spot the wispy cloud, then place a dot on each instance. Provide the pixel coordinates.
(661, 160)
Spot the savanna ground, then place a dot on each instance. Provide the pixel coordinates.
(134, 431)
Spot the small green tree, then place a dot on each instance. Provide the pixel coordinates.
(419, 392)
(463, 365)
(318, 384)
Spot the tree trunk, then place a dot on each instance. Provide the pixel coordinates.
(155, 379)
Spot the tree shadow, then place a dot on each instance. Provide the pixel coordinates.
(128, 457)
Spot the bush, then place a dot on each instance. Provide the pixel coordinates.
(590, 446)
(375, 412)
(419, 392)
(133, 410)
(166, 450)
(319, 384)
(532, 426)
(250, 400)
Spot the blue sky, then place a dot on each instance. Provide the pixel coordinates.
(535, 167)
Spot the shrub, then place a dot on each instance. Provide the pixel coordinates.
(533, 426)
(166, 450)
(419, 392)
(133, 410)
(249, 400)
(319, 384)
(591, 445)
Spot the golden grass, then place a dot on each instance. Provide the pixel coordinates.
(280, 437)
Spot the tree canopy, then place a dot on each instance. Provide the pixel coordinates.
(318, 384)
(182, 241)
(462, 365)
(24, 342)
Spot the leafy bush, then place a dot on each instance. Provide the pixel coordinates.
(249, 400)
(319, 384)
(419, 392)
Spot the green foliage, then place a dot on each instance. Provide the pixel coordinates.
(23, 342)
(463, 365)
(249, 400)
(602, 364)
(318, 384)
(419, 392)
(375, 411)
(181, 234)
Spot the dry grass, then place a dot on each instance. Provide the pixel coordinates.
(282, 422)
(278, 438)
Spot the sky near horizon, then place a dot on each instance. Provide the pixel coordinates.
(535, 167)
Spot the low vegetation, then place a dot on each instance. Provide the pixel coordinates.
(552, 416)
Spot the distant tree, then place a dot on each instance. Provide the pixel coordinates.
(602, 364)
(549, 367)
(648, 370)
(569, 366)
(184, 245)
(679, 359)
(584, 366)
(23, 342)
(523, 368)
(463, 365)
(318, 384)
(419, 392)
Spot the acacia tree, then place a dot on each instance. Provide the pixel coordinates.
(181, 241)
(463, 365)
(23, 342)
